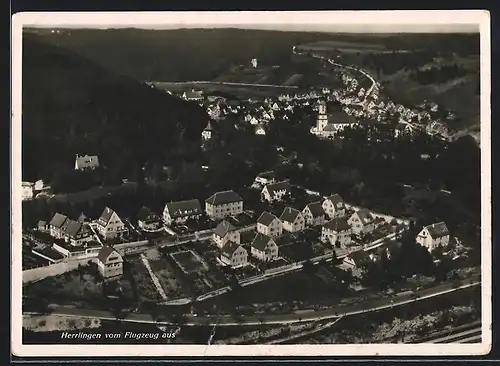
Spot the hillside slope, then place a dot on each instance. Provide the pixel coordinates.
(71, 105)
(179, 54)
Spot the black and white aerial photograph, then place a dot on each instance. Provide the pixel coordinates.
(300, 184)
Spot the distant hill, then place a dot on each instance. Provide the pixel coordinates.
(179, 54)
(71, 105)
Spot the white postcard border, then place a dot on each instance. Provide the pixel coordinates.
(156, 20)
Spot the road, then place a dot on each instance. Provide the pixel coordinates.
(305, 316)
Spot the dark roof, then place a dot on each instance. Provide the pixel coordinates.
(82, 218)
(146, 214)
(229, 248)
(260, 241)
(360, 257)
(71, 228)
(337, 224)
(223, 197)
(401, 126)
(365, 216)
(106, 215)
(267, 175)
(316, 209)
(340, 117)
(279, 186)
(223, 228)
(336, 200)
(58, 220)
(266, 218)
(104, 253)
(209, 126)
(289, 214)
(184, 208)
(437, 230)
(330, 127)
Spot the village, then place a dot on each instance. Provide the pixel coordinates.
(281, 228)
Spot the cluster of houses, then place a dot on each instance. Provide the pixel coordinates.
(77, 239)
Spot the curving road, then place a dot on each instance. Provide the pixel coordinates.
(305, 316)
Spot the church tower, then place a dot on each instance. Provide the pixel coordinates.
(322, 119)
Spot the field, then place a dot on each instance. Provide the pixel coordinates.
(343, 46)
(238, 91)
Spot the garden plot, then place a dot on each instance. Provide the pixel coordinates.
(189, 262)
(171, 285)
(144, 286)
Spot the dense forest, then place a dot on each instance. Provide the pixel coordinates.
(180, 54)
(438, 74)
(72, 106)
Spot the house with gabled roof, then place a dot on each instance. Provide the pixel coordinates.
(147, 220)
(56, 225)
(234, 255)
(86, 162)
(357, 259)
(194, 95)
(268, 224)
(207, 132)
(181, 211)
(334, 206)
(434, 236)
(363, 222)
(110, 225)
(109, 263)
(223, 204)
(276, 191)
(292, 220)
(225, 232)
(314, 214)
(264, 248)
(76, 233)
(336, 232)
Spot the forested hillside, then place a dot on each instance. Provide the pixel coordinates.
(180, 54)
(71, 105)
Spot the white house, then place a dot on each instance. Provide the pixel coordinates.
(260, 130)
(234, 255)
(194, 95)
(275, 191)
(181, 211)
(337, 232)
(363, 222)
(86, 162)
(56, 225)
(223, 204)
(147, 220)
(334, 206)
(292, 220)
(109, 262)
(433, 236)
(264, 248)
(76, 233)
(265, 178)
(270, 225)
(206, 134)
(225, 232)
(110, 225)
(28, 190)
(314, 214)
